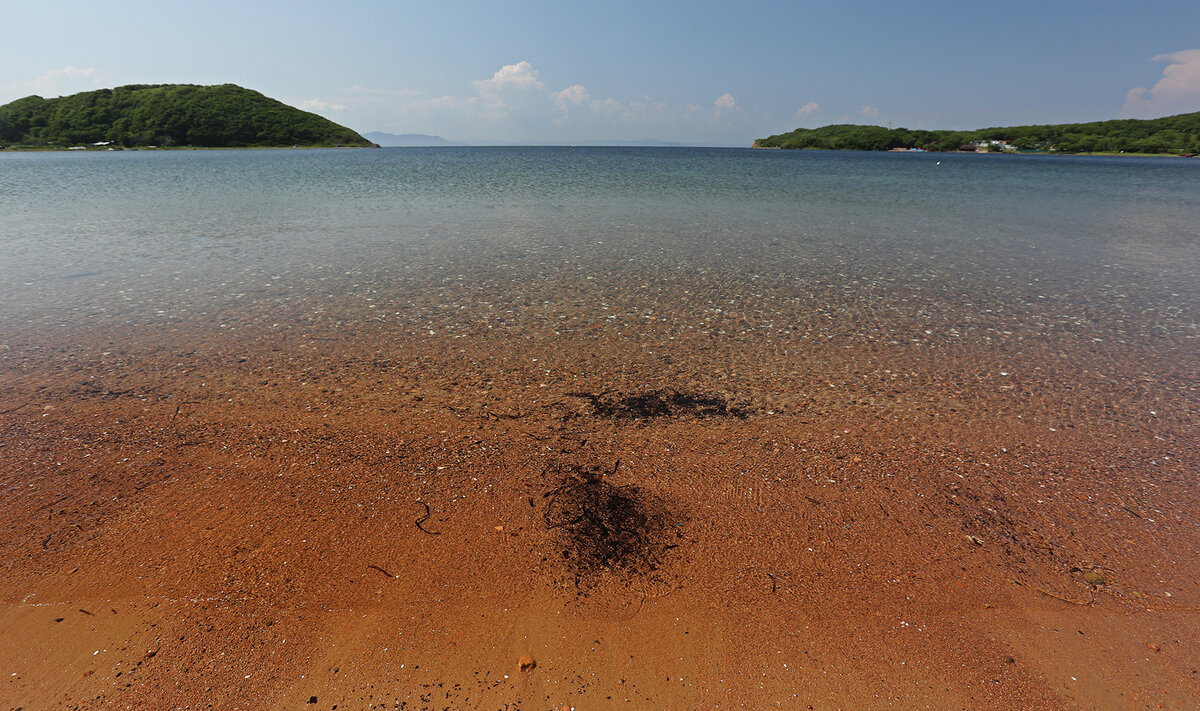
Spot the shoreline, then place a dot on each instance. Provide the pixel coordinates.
(970, 153)
(512, 429)
(98, 149)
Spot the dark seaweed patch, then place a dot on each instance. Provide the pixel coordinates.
(603, 527)
(661, 403)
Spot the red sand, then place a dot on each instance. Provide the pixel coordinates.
(198, 520)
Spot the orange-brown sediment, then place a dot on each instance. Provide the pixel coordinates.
(370, 513)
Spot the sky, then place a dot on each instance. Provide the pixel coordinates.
(697, 72)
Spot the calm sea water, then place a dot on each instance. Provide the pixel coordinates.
(726, 241)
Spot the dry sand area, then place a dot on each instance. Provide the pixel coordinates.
(325, 518)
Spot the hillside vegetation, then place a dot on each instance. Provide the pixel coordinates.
(1169, 135)
(225, 116)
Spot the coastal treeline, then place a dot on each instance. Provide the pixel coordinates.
(224, 116)
(1178, 134)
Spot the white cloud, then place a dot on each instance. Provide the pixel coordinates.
(56, 82)
(869, 111)
(1177, 92)
(722, 107)
(573, 95)
(808, 109)
(321, 105)
(513, 88)
(521, 75)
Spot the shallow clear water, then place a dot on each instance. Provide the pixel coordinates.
(97, 227)
(643, 245)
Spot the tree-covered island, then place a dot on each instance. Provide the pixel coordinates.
(167, 115)
(1171, 135)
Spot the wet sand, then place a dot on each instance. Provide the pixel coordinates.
(671, 490)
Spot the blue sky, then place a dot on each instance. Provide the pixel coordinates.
(697, 72)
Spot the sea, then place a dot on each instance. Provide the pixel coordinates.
(763, 272)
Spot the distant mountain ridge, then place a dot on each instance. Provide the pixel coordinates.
(396, 140)
(185, 115)
(392, 140)
(615, 143)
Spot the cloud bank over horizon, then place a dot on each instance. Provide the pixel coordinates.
(1177, 92)
(515, 102)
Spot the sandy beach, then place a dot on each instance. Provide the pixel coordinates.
(200, 519)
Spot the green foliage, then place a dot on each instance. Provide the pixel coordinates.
(1169, 135)
(225, 116)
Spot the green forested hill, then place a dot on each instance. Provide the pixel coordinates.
(224, 116)
(1169, 135)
